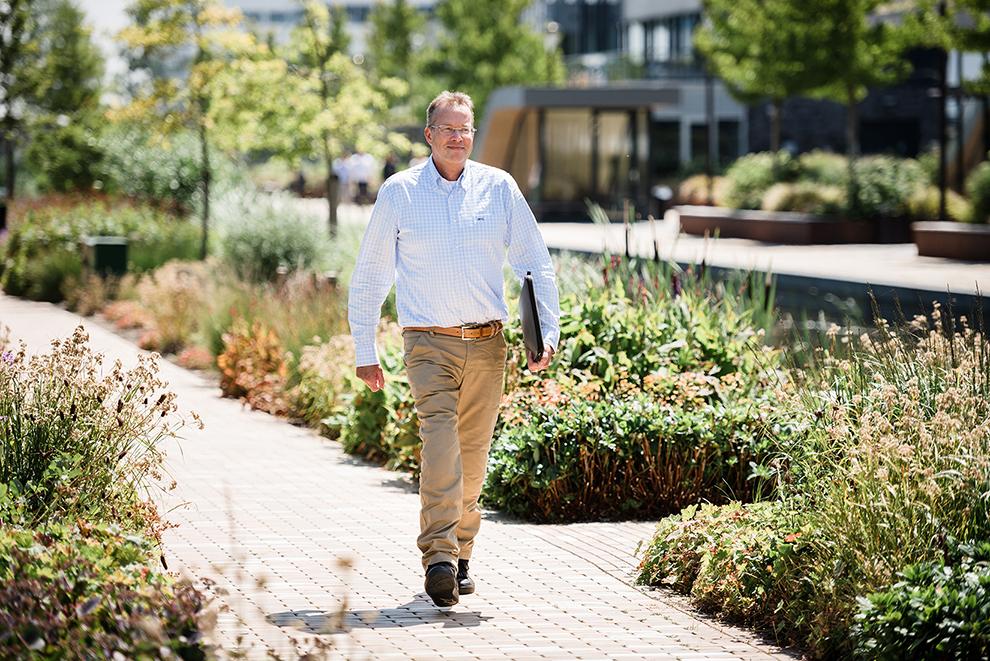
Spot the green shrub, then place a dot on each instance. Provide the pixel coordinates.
(743, 561)
(323, 378)
(884, 184)
(259, 233)
(665, 391)
(750, 176)
(824, 168)
(382, 426)
(173, 296)
(42, 251)
(893, 460)
(65, 157)
(85, 591)
(164, 170)
(694, 190)
(924, 203)
(978, 189)
(73, 444)
(936, 610)
(569, 453)
(805, 197)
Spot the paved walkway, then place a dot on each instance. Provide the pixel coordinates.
(315, 548)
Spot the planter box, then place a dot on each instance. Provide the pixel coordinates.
(775, 226)
(952, 240)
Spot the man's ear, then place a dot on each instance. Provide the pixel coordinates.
(428, 135)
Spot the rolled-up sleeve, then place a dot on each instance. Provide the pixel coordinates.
(526, 251)
(374, 274)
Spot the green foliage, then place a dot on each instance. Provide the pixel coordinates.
(750, 176)
(765, 48)
(804, 197)
(924, 205)
(978, 189)
(744, 561)
(258, 234)
(656, 398)
(50, 74)
(382, 426)
(936, 610)
(323, 379)
(394, 25)
(73, 444)
(42, 254)
(82, 591)
(485, 44)
(885, 184)
(824, 168)
(140, 165)
(892, 462)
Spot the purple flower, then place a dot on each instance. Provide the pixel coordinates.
(8, 357)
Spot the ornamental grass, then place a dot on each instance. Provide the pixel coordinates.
(76, 441)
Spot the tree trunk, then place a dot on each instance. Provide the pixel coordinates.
(852, 147)
(331, 191)
(775, 112)
(205, 178)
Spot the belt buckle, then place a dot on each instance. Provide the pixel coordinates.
(465, 339)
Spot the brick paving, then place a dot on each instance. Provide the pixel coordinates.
(315, 548)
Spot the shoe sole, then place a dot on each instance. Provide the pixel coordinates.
(465, 590)
(443, 591)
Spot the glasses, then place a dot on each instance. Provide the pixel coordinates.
(449, 131)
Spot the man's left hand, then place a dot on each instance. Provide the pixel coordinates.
(544, 361)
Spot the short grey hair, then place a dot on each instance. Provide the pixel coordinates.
(446, 99)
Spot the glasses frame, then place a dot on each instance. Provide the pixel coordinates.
(448, 131)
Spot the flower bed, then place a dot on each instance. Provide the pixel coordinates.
(78, 556)
(889, 467)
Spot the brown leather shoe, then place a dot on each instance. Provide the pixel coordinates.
(441, 583)
(465, 584)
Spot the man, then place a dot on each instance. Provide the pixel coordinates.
(442, 230)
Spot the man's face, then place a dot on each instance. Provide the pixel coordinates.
(453, 149)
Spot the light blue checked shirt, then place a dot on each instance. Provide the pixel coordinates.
(444, 247)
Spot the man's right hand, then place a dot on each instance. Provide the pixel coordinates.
(372, 375)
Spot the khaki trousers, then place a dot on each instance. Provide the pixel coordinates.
(456, 385)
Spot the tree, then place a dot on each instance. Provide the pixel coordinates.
(50, 76)
(761, 49)
(395, 27)
(16, 63)
(485, 44)
(68, 83)
(865, 51)
(187, 47)
(334, 105)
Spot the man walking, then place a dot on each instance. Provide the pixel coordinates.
(441, 230)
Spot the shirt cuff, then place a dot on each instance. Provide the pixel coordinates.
(365, 352)
(552, 338)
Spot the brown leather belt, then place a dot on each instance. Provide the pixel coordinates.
(466, 332)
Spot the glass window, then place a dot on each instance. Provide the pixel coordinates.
(567, 170)
(665, 148)
(728, 141)
(524, 166)
(614, 156)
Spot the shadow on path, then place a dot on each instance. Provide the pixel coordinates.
(420, 610)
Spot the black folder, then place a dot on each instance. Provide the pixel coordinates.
(529, 315)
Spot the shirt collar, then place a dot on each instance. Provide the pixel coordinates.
(464, 180)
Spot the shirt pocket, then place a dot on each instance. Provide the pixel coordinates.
(482, 226)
